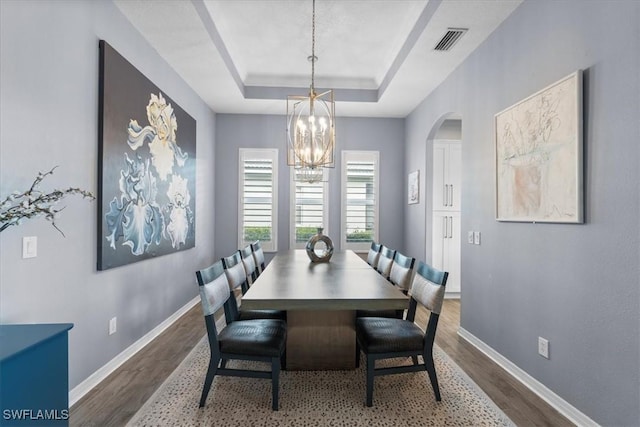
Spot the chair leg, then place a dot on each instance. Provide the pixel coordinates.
(431, 369)
(357, 354)
(223, 363)
(371, 362)
(275, 383)
(415, 359)
(211, 372)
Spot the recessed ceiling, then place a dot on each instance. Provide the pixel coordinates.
(246, 56)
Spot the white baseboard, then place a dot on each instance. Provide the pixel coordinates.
(451, 295)
(561, 405)
(94, 379)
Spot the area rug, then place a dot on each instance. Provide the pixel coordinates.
(318, 398)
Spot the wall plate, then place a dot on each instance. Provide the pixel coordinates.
(29, 247)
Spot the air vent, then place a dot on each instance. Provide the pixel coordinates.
(450, 38)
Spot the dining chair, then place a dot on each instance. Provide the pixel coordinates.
(400, 276)
(249, 262)
(384, 338)
(260, 340)
(384, 262)
(374, 254)
(258, 254)
(237, 280)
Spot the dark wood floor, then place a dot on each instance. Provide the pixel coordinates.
(116, 399)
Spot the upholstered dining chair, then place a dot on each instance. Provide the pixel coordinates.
(258, 254)
(237, 279)
(384, 262)
(400, 276)
(262, 340)
(374, 254)
(250, 266)
(384, 338)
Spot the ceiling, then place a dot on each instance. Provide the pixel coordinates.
(246, 56)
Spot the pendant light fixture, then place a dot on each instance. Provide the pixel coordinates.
(311, 125)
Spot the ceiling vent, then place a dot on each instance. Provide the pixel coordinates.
(450, 38)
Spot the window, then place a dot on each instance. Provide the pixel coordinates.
(309, 208)
(258, 201)
(360, 170)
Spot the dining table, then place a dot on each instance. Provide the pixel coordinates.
(321, 300)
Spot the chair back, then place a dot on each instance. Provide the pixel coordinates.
(234, 269)
(401, 271)
(374, 254)
(385, 261)
(249, 262)
(214, 288)
(237, 279)
(428, 289)
(258, 254)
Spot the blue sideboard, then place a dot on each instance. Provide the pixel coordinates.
(34, 375)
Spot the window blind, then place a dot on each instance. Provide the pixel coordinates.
(257, 200)
(310, 209)
(360, 201)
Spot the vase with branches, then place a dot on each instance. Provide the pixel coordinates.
(32, 203)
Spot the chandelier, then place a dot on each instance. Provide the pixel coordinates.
(311, 125)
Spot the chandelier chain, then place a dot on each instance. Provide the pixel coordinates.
(313, 44)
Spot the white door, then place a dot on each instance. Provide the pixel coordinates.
(447, 160)
(446, 247)
(446, 230)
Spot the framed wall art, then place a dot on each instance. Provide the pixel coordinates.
(413, 195)
(146, 167)
(539, 156)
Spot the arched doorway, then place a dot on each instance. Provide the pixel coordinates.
(445, 163)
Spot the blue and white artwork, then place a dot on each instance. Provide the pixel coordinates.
(146, 167)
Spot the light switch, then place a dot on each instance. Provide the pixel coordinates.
(470, 237)
(29, 247)
(476, 237)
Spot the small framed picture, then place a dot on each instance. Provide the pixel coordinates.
(414, 187)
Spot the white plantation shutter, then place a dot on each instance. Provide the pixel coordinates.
(309, 208)
(258, 202)
(360, 170)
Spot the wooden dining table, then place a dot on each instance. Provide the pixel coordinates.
(321, 300)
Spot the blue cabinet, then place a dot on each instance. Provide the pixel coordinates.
(34, 375)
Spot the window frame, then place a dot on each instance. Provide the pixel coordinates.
(259, 154)
(365, 156)
(292, 208)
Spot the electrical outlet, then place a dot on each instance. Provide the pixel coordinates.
(476, 237)
(543, 347)
(113, 325)
(470, 237)
(29, 247)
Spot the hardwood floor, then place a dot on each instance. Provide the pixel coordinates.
(114, 401)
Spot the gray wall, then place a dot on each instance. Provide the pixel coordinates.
(576, 285)
(262, 131)
(48, 115)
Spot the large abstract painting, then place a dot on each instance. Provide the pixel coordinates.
(539, 156)
(146, 167)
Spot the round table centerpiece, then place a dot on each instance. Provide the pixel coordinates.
(320, 254)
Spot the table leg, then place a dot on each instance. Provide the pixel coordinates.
(321, 340)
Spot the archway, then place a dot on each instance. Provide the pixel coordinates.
(443, 238)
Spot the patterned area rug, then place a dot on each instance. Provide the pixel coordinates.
(318, 398)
